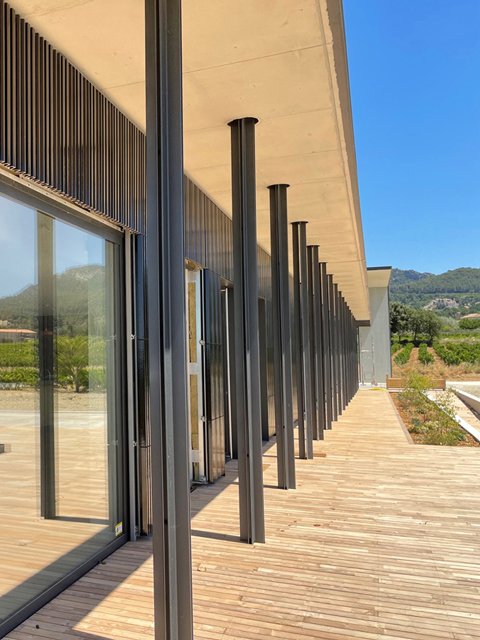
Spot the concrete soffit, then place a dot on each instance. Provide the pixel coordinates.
(283, 62)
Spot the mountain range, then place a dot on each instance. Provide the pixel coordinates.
(418, 289)
(79, 301)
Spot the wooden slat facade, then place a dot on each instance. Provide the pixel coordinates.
(380, 540)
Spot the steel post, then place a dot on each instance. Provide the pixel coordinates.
(282, 347)
(297, 325)
(170, 446)
(327, 370)
(312, 372)
(247, 349)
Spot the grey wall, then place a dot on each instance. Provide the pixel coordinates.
(375, 358)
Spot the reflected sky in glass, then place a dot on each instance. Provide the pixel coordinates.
(18, 225)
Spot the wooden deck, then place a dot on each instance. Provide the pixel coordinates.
(380, 540)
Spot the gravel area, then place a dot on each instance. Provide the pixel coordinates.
(28, 400)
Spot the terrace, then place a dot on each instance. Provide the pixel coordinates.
(380, 539)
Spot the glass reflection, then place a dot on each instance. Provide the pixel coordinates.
(60, 472)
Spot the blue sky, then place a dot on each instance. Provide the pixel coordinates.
(415, 83)
(18, 259)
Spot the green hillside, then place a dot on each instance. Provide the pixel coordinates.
(80, 303)
(418, 289)
(401, 276)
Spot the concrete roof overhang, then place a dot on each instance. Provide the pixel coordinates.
(281, 61)
(378, 276)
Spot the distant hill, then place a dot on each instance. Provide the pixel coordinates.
(401, 276)
(419, 289)
(80, 302)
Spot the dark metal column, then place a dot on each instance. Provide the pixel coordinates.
(297, 328)
(247, 352)
(300, 237)
(172, 568)
(311, 377)
(46, 362)
(282, 347)
(337, 352)
(327, 369)
(318, 334)
(333, 365)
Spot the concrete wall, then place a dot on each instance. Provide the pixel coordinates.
(375, 358)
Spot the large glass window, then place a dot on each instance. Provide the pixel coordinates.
(61, 480)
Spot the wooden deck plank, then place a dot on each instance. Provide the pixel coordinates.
(381, 539)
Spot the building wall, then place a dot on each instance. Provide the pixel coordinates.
(375, 355)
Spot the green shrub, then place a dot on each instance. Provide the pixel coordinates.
(404, 356)
(424, 355)
(19, 354)
(469, 323)
(20, 375)
(396, 346)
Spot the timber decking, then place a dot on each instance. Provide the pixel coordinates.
(380, 540)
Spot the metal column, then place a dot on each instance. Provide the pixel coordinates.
(46, 362)
(327, 369)
(282, 347)
(305, 435)
(333, 364)
(297, 328)
(337, 351)
(318, 341)
(312, 373)
(170, 446)
(247, 350)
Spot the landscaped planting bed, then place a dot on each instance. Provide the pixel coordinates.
(426, 422)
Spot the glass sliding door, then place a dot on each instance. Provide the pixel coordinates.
(61, 459)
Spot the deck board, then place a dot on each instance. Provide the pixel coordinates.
(381, 539)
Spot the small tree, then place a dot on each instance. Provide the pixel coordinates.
(432, 325)
(72, 359)
(425, 322)
(400, 315)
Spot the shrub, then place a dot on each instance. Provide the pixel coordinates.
(424, 355)
(404, 356)
(469, 323)
(20, 375)
(396, 346)
(19, 354)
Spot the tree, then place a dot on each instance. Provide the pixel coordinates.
(432, 326)
(400, 315)
(425, 322)
(72, 359)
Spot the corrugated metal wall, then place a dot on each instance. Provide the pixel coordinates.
(58, 129)
(209, 243)
(214, 374)
(265, 291)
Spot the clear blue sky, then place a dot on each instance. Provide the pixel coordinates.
(415, 83)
